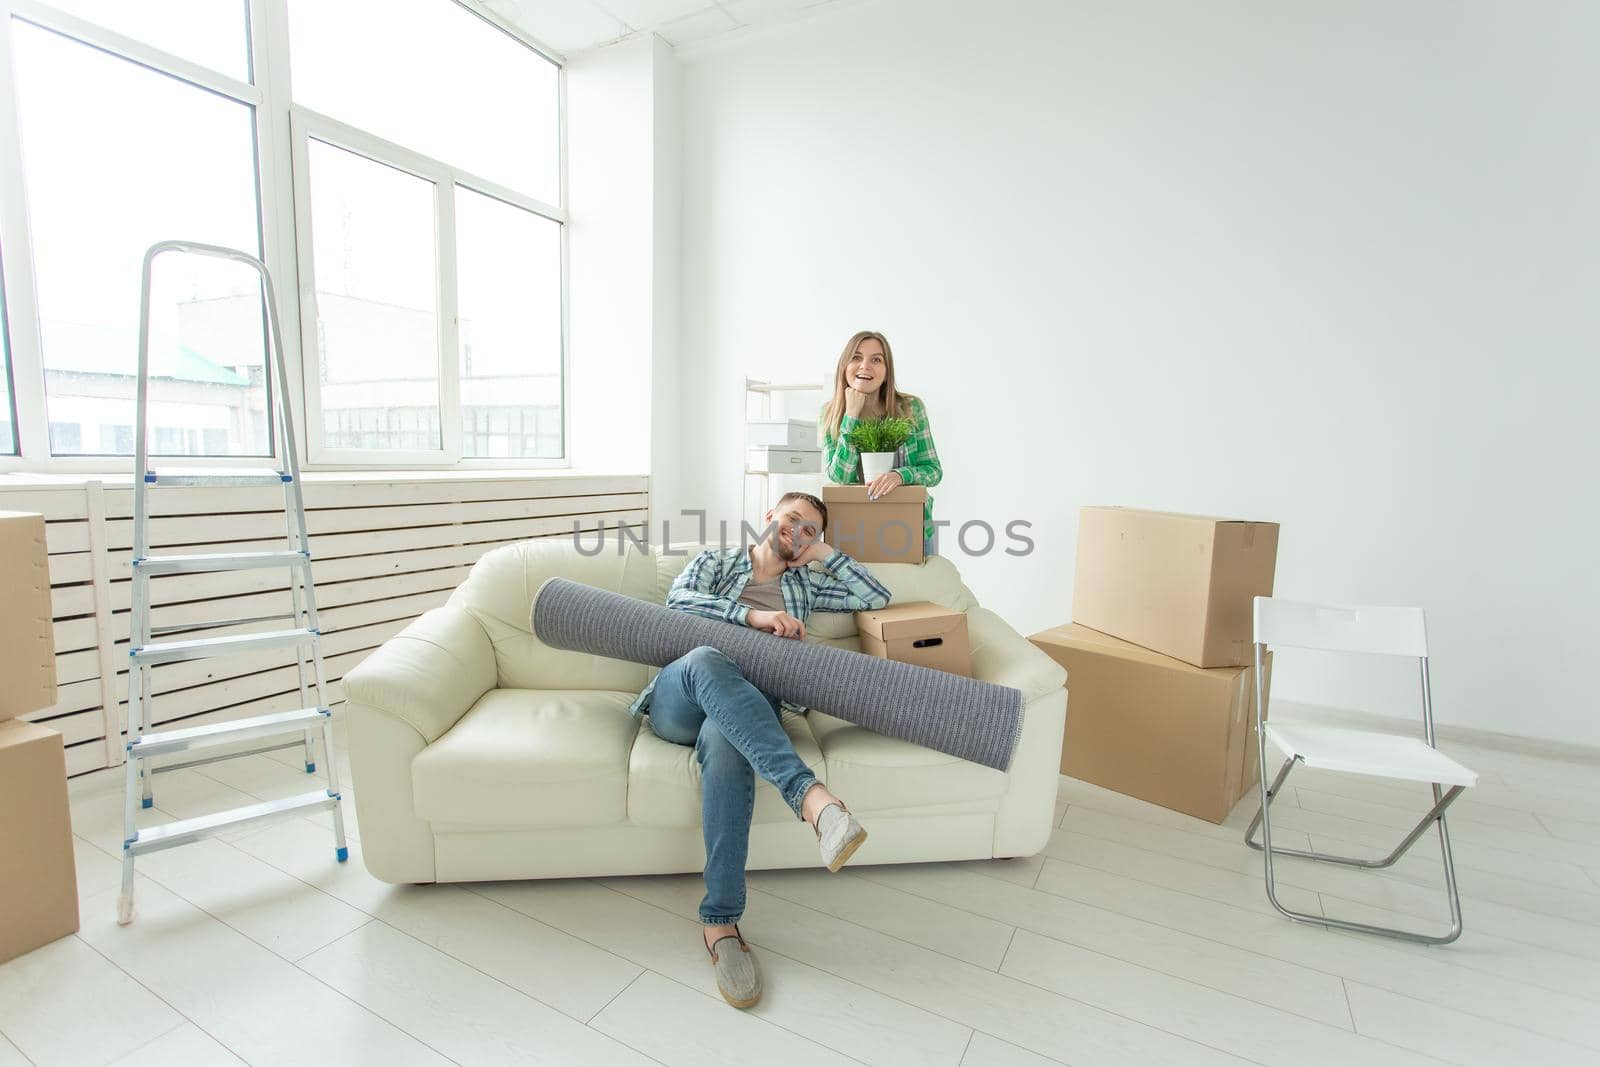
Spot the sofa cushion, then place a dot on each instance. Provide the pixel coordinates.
(524, 757)
(664, 778)
(499, 591)
(872, 772)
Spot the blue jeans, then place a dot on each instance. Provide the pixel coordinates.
(702, 699)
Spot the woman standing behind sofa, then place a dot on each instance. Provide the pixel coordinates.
(863, 388)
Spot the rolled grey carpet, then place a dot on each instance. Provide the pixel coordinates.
(977, 721)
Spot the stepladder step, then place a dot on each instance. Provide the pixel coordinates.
(157, 652)
(183, 831)
(201, 562)
(217, 477)
(222, 733)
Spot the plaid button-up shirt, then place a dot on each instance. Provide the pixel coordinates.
(919, 460)
(711, 584)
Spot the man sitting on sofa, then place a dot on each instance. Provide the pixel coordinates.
(702, 699)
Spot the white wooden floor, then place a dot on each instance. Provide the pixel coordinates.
(1139, 937)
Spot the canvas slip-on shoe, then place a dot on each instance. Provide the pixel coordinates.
(839, 834)
(738, 977)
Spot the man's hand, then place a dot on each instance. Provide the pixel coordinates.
(816, 552)
(776, 622)
(855, 402)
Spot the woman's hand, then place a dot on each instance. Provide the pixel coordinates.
(776, 622)
(855, 402)
(884, 483)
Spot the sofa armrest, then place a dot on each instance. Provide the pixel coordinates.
(428, 674)
(1005, 657)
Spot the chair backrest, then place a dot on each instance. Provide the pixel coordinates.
(1334, 628)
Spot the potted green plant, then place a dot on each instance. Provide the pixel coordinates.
(878, 441)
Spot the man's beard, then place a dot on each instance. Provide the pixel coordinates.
(784, 552)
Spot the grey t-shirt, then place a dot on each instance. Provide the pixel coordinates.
(764, 596)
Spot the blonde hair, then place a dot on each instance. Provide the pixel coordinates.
(889, 399)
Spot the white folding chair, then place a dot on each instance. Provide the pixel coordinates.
(1384, 631)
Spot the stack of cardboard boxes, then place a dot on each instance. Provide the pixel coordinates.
(38, 882)
(1161, 690)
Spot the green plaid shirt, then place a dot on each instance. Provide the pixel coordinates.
(918, 458)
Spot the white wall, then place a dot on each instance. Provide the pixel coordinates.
(1333, 265)
(623, 141)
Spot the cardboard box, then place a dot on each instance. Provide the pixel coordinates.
(1155, 727)
(27, 638)
(919, 632)
(38, 879)
(782, 433)
(1182, 585)
(885, 530)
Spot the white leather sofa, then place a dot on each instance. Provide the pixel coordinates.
(478, 753)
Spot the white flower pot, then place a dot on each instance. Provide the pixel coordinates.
(876, 463)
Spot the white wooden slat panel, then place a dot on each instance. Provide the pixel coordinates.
(62, 537)
(209, 612)
(242, 526)
(70, 697)
(386, 549)
(54, 504)
(376, 541)
(69, 600)
(331, 621)
(89, 756)
(71, 567)
(77, 666)
(327, 573)
(78, 727)
(320, 494)
(174, 676)
(251, 687)
(73, 635)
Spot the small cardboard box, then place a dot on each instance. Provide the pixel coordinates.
(919, 632)
(38, 878)
(885, 530)
(1155, 727)
(1182, 585)
(27, 638)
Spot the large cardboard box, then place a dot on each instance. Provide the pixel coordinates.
(27, 639)
(885, 530)
(1155, 727)
(38, 880)
(1182, 585)
(920, 632)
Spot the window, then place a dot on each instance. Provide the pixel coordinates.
(376, 304)
(431, 76)
(407, 200)
(508, 267)
(431, 241)
(104, 182)
(212, 33)
(8, 417)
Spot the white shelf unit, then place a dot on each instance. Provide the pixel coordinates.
(758, 396)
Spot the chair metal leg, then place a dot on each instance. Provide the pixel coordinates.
(1435, 814)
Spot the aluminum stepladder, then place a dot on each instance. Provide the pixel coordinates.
(143, 653)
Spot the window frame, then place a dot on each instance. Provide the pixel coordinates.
(308, 125)
(281, 129)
